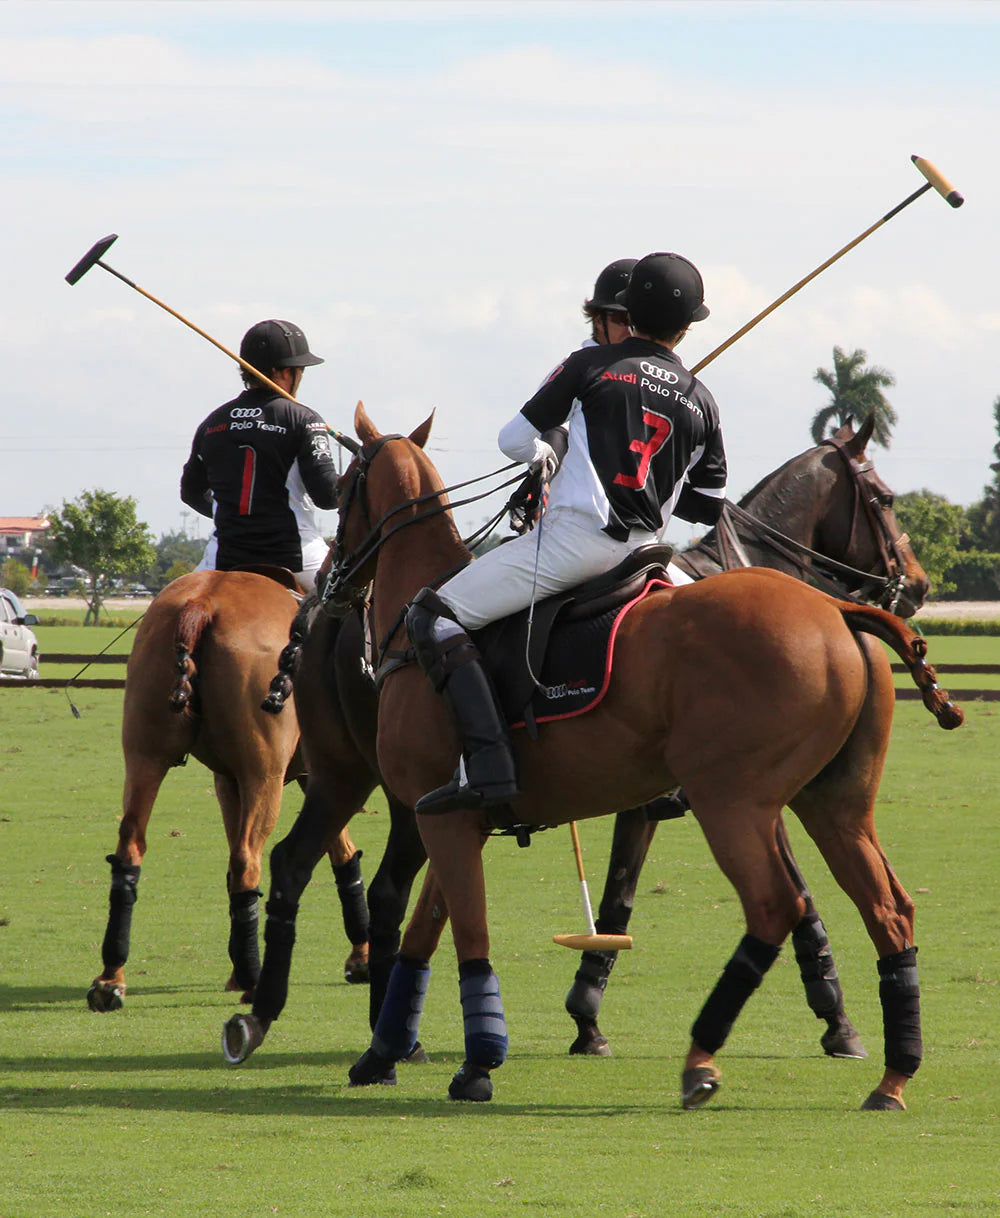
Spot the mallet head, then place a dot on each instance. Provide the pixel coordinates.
(938, 181)
(91, 257)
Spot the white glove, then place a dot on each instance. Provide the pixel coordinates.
(546, 463)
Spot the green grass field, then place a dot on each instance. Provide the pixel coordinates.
(137, 1113)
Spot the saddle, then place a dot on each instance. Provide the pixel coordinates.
(570, 645)
(280, 575)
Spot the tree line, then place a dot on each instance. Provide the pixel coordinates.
(100, 534)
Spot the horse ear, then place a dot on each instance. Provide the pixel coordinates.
(419, 435)
(865, 433)
(365, 429)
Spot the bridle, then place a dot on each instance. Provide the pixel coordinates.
(343, 590)
(871, 588)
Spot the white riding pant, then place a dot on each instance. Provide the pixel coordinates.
(313, 553)
(569, 551)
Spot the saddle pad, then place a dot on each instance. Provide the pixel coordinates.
(575, 671)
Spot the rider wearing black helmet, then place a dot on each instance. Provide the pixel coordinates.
(261, 465)
(608, 319)
(644, 444)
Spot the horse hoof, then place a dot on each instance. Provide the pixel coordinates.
(591, 1042)
(104, 996)
(842, 1040)
(878, 1101)
(370, 1068)
(417, 1055)
(356, 972)
(241, 1034)
(698, 1086)
(471, 1083)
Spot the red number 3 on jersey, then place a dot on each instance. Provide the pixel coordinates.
(647, 450)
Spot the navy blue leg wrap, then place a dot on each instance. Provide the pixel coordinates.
(124, 882)
(899, 993)
(398, 1023)
(482, 1010)
(244, 945)
(741, 976)
(351, 890)
(816, 967)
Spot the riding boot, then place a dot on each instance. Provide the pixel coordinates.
(668, 807)
(486, 777)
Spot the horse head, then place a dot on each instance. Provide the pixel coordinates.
(864, 532)
(389, 484)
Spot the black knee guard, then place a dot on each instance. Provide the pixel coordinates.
(899, 993)
(741, 976)
(816, 967)
(124, 894)
(351, 891)
(438, 659)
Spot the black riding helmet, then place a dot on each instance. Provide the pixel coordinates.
(277, 344)
(665, 293)
(612, 280)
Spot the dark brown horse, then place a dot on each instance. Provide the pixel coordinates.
(202, 658)
(787, 523)
(338, 708)
(750, 689)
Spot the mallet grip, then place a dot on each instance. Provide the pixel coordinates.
(938, 181)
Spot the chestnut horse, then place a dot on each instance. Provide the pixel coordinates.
(815, 499)
(785, 522)
(750, 689)
(203, 655)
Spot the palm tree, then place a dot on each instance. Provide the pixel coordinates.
(855, 393)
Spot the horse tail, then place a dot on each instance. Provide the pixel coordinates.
(282, 683)
(194, 619)
(911, 649)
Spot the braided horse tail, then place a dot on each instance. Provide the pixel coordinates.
(911, 649)
(280, 689)
(194, 619)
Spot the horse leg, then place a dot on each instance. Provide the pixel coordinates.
(249, 811)
(345, 860)
(388, 896)
(396, 1029)
(143, 777)
(817, 968)
(771, 906)
(630, 843)
(328, 806)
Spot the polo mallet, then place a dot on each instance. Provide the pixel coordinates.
(94, 256)
(591, 941)
(934, 178)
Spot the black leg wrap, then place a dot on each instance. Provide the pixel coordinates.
(816, 967)
(271, 992)
(351, 891)
(244, 944)
(124, 884)
(379, 972)
(899, 993)
(584, 999)
(741, 976)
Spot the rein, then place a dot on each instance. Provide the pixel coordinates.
(885, 589)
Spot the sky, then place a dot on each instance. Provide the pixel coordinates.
(430, 189)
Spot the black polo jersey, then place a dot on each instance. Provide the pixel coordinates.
(267, 464)
(642, 430)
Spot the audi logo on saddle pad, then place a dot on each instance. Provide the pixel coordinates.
(661, 374)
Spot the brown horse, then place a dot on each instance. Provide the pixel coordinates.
(203, 655)
(750, 689)
(826, 517)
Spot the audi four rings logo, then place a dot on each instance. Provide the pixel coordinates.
(246, 412)
(661, 374)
